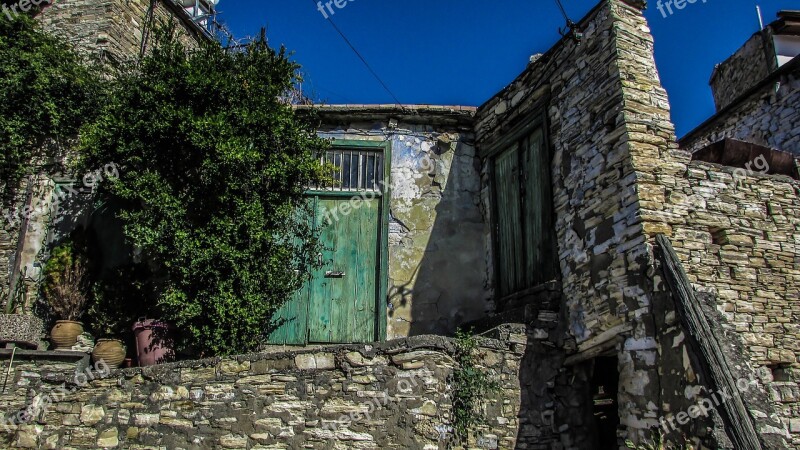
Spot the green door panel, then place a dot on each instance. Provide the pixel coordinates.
(509, 223)
(539, 229)
(344, 292)
(290, 322)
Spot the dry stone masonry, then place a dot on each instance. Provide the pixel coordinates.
(391, 395)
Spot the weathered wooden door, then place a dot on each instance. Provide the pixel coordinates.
(340, 302)
(343, 293)
(525, 232)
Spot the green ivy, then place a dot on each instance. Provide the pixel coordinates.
(46, 92)
(213, 166)
(470, 384)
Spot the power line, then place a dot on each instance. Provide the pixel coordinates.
(563, 11)
(352, 47)
(572, 30)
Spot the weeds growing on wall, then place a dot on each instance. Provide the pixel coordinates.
(659, 442)
(213, 166)
(470, 384)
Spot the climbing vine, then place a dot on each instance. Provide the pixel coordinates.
(470, 385)
(46, 94)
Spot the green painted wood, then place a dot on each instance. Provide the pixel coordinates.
(342, 289)
(353, 309)
(538, 230)
(342, 309)
(320, 297)
(367, 272)
(291, 319)
(509, 221)
(525, 233)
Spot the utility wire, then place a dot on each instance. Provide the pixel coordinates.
(361, 57)
(571, 29)
(563, 11)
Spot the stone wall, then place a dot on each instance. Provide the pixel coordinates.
(769, 117)
(753, 62)
(113, 29)
(737, 235)
(664, 177)
(614, 156)
(392, 395)
(437, 271)
(601, 98)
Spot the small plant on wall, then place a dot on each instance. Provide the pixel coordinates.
(659, 442)
(470, 384)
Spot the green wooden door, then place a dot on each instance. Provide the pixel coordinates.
(343, 293)
(525, 230)
(340, 302)
(509, 223)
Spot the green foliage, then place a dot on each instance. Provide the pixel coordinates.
(118, 299)
(15, 302)
(659, 442)
(470, 384)
(66, 281)
(45, 93)
(213, 165)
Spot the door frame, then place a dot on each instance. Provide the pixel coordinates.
(382, 271)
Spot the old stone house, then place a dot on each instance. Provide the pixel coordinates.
(627, 282)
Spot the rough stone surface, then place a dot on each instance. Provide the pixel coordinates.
(376, 405)
(744, 69)
(617, 176)
(769, 117)
(113, 29)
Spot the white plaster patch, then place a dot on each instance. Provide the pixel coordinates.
(647, 357)
(633, 344)
(678, 340)
(636, 383)
(692, 392)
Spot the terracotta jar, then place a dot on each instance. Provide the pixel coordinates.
(65, 334)
(111, 351)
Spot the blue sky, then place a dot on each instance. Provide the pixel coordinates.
(461, 52)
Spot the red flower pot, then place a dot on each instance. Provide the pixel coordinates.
(154, 342)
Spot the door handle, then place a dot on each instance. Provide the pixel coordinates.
(331, 274)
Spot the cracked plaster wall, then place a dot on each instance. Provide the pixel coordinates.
(437, 272)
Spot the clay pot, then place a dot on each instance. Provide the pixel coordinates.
(154, 342)
(65, 334)
(111, 351)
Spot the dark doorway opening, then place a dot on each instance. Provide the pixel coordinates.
(605, 408)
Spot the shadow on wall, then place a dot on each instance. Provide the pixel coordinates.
(437, 278)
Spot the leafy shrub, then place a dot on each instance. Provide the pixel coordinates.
(213, 166)
(118, 299)
(659, 442)
(46, 92)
